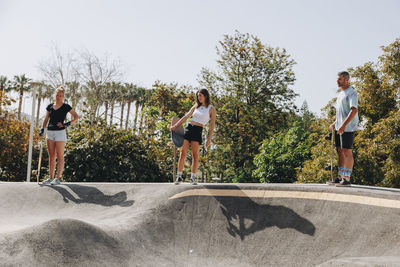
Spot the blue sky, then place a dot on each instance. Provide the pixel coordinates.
(172, 40)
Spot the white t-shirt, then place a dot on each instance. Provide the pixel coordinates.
(346, 99)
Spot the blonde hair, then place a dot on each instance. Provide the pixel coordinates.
(60, 89)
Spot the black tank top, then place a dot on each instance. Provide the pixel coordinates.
(57, 115)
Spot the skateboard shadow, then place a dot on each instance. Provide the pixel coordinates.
(92, 195)
(245, 217)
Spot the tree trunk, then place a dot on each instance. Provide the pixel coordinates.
(122, 113)
(141, 120)
(136, 114)
(106, 110)
(1, 97)
(21, 96)
(112, 113)
(127, 114)
(38, 109)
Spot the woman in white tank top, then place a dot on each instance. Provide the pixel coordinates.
(202, 112)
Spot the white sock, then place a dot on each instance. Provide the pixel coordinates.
(179, 174)
(193, 175)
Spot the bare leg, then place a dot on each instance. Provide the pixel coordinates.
(51, 147)
(341, 156)
(195, 156)
(182, 157)
(348, 161)
(60, 146)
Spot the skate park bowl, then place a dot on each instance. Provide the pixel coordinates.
(99, 224)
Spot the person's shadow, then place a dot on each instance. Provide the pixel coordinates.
(260, 216)
(90, 194)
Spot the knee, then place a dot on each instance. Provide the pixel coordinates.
(183, 153)
(348, 154)
(195, 156)
(52, 156)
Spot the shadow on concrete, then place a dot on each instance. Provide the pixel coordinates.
(246, 217)
(92, 195)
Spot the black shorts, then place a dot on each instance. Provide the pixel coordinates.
(347, 139)
(193, 133)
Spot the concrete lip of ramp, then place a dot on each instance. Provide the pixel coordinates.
(115, 224)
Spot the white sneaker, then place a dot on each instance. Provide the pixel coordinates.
(178, 180)
(47, 181)
(55, 182)
(193, 180)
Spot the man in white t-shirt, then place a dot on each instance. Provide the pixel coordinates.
(345, 126)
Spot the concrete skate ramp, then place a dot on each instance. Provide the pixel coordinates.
(203, 225)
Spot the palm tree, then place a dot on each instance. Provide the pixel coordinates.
(4, 85)
(106, 96)
(113, 96)
(21, 85)
(121, 98)
(130, 97)
(74, 93)
(139, 100)
(40, 86)
(145, 98)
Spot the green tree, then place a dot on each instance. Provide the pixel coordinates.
(376, 155)
(376, 145)
(4, 87)
(102, 153)
(21, 85)
(130, 98)
(253, 99)
(14, 138)
(281, 154)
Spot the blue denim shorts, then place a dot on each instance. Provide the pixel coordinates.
(59, 135)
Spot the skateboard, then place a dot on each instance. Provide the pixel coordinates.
(37, 172)
(177, 134)
(332, 137)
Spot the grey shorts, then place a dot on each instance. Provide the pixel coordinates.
(60, 135)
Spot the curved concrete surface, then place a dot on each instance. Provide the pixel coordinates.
(205, 225)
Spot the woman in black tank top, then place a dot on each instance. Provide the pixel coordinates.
(56, 135)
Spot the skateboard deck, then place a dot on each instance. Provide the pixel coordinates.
(177, 134)
(40, 159)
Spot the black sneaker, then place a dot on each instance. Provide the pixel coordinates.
(344, 182)
(334, 182)
(178, 180)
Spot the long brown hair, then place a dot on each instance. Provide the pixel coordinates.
(206, 94)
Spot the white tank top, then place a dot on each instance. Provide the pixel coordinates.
(202, 114)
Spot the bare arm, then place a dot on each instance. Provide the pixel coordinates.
(351, 115)
(46, 120)
(332, 126)
(74, 115)
(213, 115)
(184, 118)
